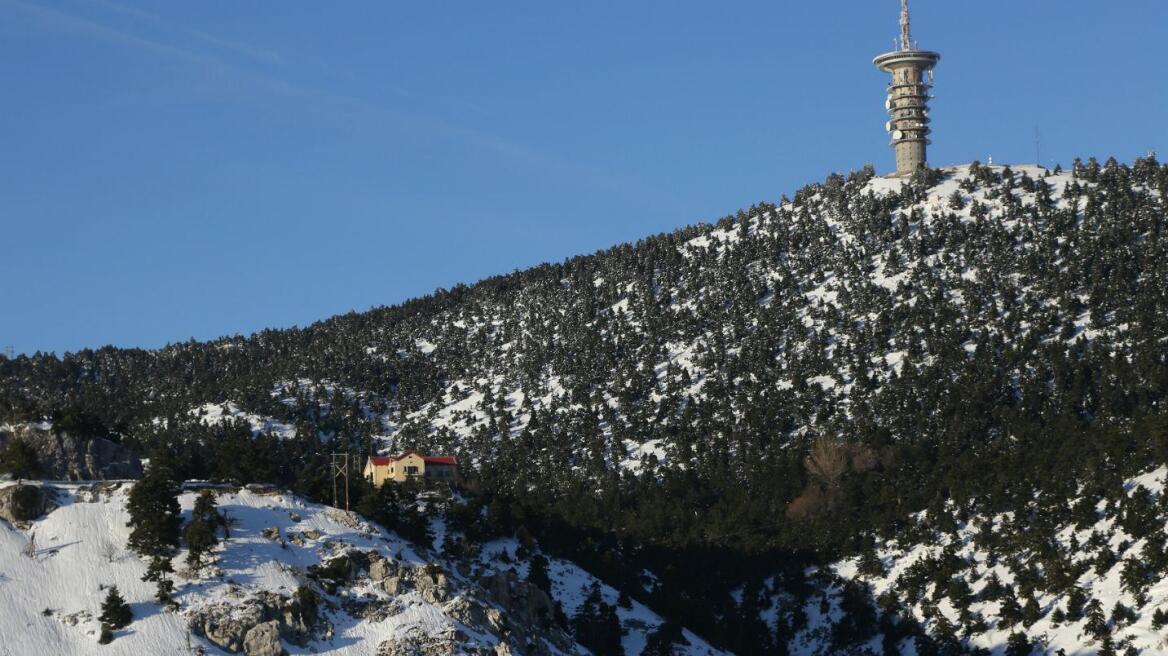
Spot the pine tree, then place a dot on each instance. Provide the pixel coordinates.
(1018, 645)
(157, 571)
(154, 522)
(1031, 612)
(20, 459)
(662, 640)
(537, 573)
(200, 531)
(596, 625)
(154, 512)
(115, 612)
(1096, 625)
(1159, 619)
(1010, 612)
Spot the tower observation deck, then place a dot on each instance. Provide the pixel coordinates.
(908, 98)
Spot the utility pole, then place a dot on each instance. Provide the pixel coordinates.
(340, 469)
(9, 352)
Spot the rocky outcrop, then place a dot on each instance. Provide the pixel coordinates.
(524, 603)
(264, 640)
(453, 642)
(432, 583)
(257, 625)
(302, 539)
(381, 568)
(395, 585)
(418, 643)
(339, 569)
(518, 616)
(226, 626)
(23, 503)
(68, 456)
(472, 612)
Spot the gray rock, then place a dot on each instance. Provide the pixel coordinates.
(373, 610)
(226, 625)
(381, 568)
(23, 503)
(524, 602)
(294, 623)
(264, 640)
(417, 643)
(68, 456)
(474, 613)
(393, 585)
(432, 584)
(233, 626)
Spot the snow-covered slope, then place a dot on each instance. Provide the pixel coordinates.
(55, 572)
(570, 583)
(1085, 587)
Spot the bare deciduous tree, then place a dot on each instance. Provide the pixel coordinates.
(109, 551)
(827, 461)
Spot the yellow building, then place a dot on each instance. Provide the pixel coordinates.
(411, 464)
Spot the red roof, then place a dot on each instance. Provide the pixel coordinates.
(382, 461)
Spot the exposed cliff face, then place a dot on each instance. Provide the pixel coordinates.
(22, 503)
(69, 456)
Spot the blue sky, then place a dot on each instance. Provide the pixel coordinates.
(175, 170)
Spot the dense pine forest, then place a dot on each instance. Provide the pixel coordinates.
(710, 418)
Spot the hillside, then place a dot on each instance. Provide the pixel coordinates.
(374, 591)
(768, 398)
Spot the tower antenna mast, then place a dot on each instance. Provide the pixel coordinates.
(905, 31)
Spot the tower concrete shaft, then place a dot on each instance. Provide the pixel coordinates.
(908, 98)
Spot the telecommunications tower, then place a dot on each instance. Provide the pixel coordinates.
(908, 98)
